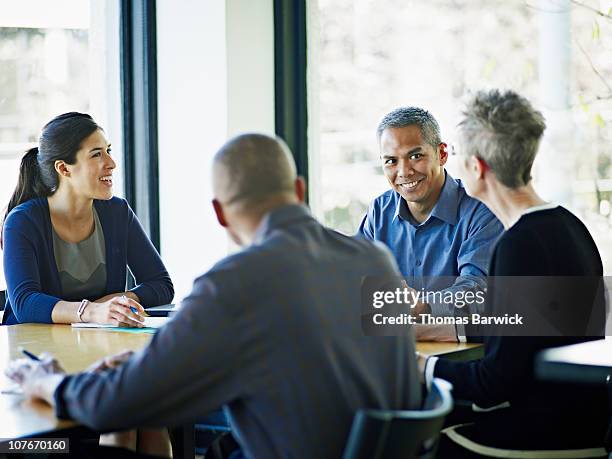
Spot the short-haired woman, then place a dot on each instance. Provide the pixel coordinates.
(521, 416)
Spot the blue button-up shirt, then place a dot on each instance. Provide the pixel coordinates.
(456, 240)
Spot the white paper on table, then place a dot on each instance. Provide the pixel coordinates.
(149, 322)
(12, 390)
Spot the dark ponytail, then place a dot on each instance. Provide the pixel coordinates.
(60, 140)
(29, 184)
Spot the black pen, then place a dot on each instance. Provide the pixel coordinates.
(29, 354)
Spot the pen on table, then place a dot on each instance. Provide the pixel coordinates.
(134, 310)
(29, 354)
(16, 390)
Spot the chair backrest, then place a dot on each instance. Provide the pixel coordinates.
(401, 434)
(2, 304)
(608, 439)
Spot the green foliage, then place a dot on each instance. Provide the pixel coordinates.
(489, 68)
(595, 31)
(599, 121)
(583, 104)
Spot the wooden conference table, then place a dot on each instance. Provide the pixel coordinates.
(76, 349)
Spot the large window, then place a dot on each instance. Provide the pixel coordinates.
(55, 57)
(369, 57)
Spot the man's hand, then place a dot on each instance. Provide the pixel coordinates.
(421, 362)
(438, 333)
(419, 307)
(110, 362)
(37, 379)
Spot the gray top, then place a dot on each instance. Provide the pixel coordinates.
(274, 334)
(82, 265)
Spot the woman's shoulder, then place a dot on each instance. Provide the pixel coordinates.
(550, 240)
(113, 206)
(35, 210)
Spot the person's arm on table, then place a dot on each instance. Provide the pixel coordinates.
(187, 377)
(508, 360)
(37, 378)
(472, 262)
(117, 310)
(469, 286)
(40, 378)
(438, 333)
(480, 381)
(493, 379)
(429, 332)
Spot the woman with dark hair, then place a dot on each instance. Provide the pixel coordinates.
(68, 242)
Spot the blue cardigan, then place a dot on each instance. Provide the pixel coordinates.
(31, 272)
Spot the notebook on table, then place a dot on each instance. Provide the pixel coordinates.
(163, 310)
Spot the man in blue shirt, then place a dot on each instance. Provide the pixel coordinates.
(431, 225)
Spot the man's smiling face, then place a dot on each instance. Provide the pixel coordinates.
(414, 168)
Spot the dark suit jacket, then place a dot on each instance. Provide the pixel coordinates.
(274, 334)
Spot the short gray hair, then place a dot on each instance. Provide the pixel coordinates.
(412, 116)
(251, 168)
(503, 129)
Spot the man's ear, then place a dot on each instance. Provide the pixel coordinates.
(61, 168)
(300, 188)
(443, 153)
(480, 166)
(219, 213)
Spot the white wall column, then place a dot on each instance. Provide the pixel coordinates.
(192, 108)
(215, 69)
(250, 66)
(554, 166)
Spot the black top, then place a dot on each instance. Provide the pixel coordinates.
(551, 242)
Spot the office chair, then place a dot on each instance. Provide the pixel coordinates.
(377, 434)
(2, 304)
(608, 439)
(208, 428)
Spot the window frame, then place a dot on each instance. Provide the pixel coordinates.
(139, 99)
(290, 79)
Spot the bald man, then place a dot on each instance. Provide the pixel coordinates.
(272, 333)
